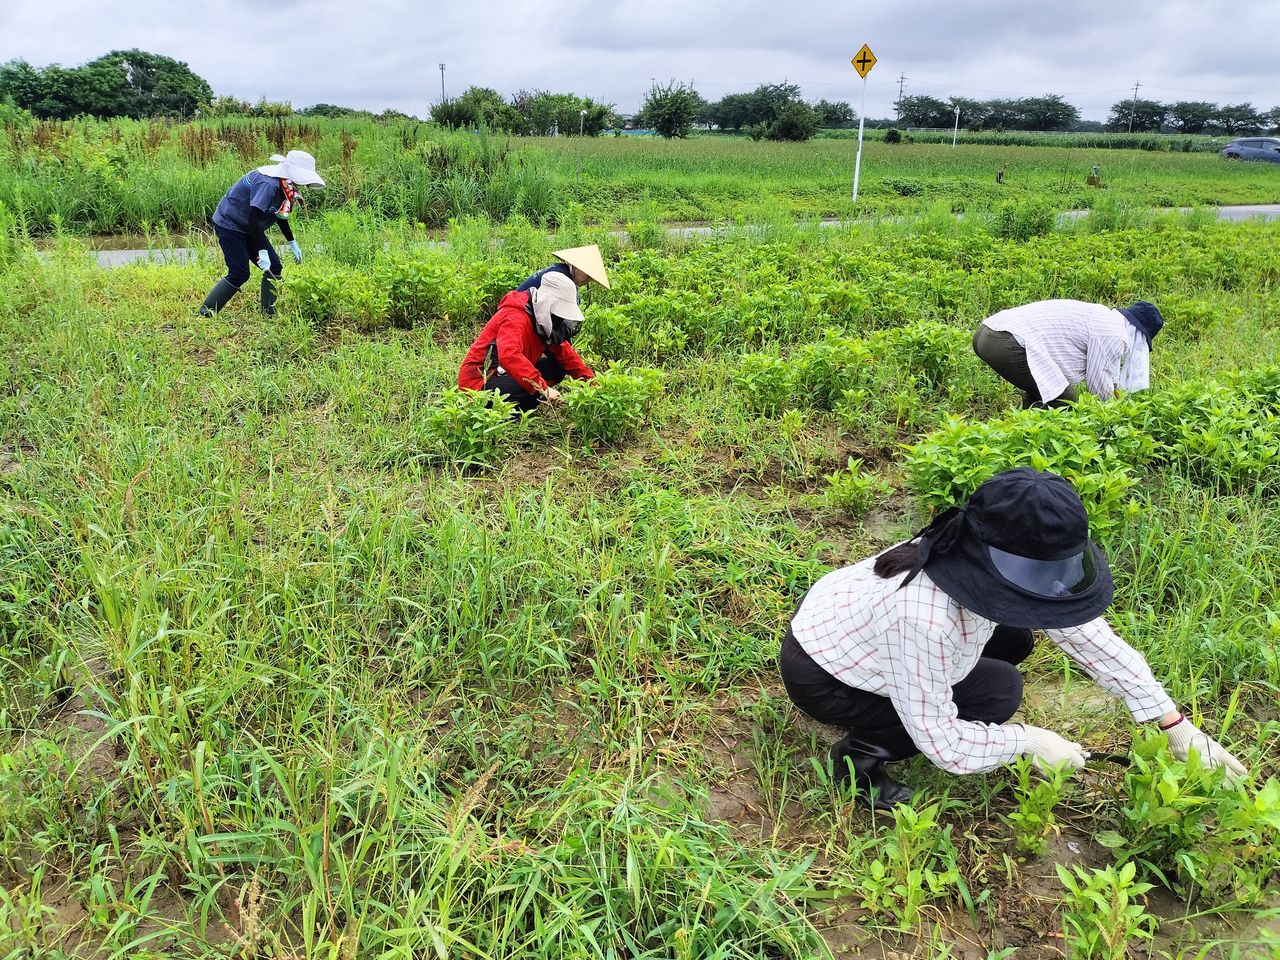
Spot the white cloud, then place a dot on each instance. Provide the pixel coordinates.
(386, 52)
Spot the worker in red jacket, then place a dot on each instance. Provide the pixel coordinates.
(523, 352)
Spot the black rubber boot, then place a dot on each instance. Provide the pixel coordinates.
(222, 291)
(270, 290)
(875, 787)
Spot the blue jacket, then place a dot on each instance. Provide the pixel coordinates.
(250, 205)
(536, 279)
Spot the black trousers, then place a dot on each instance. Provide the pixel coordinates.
(991, 693)
(240, 250)
(1001, 351)
(510, 387)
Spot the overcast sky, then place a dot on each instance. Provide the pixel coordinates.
(386, 53)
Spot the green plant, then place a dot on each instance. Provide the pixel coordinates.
(1101, 912)
(414, 289)
(317, 296)
(612, 405)
(1037, 793)
(1191, 829)
(915, 864)
(468, 427)
(854, 491)
(766, 383)
(1023, 219)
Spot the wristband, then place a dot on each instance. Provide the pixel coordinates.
(1181, 717)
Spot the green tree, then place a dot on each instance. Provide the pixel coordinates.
(129, 83)
(542, 113)
(1003, 114)
(973, 113)
(798, 123)
(478, 106)
(732, 111)
(330, 110)
(670, 109)
(835, 116)
(1236, 118)
(770, 100)
(229, 107)
(1191, 116)
(925, 112)
(1049, 112)
(1147, 115)
(154, 85)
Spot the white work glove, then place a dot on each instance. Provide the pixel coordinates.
(552, 395)
(1047, 749)
(1185, 736)
(264, 261)
(297, 251)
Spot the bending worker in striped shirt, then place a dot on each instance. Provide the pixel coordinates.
(1046, 348)
(916, 650)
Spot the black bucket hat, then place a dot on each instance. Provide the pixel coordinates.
(1018, 552)
(1145, 317)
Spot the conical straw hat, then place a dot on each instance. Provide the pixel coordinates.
(588, 260)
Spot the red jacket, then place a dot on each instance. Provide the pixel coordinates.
(519, 348)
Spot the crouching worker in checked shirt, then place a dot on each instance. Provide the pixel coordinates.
(916, 650)
(1045, 349)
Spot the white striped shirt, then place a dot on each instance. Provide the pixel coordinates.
(1068, 342)
(913, 644)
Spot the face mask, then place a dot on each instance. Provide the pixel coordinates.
(562, 331)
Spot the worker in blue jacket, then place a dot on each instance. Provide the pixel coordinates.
(259, 199)
(582, 265)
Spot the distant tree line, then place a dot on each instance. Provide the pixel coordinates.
(123, 83)
(528, 113)
(773, 111)
(1192, 116)
(1051, 112)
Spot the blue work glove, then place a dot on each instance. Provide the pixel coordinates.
(297, 251)
(264, 261)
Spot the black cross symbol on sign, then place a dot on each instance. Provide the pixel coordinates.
(865, 60)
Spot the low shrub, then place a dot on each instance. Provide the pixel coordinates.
(917, 863)
(612, 405)
(854, 491)
(415, 289)
(317, 296)
(468, 427)
(1038, 793)
(1190, 829)
(1102, 913)
(766, 382)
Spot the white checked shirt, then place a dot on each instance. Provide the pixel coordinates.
(913, 644)
(1068, 342)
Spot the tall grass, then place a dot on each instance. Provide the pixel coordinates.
(272, 684)
(127, 176)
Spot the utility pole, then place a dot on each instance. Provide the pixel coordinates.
(1133, 107)
(902, 83)
(442, 96)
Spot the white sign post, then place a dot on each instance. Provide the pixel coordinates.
(956, 132)
(862, 61)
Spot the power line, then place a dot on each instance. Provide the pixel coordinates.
(1134, 108)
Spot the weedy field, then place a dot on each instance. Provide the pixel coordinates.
(305, 654)
(141, 177)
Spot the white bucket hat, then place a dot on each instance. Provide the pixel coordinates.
(588, 260)
(298, 166)
(557, 295)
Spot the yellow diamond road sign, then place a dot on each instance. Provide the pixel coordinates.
(863, 61)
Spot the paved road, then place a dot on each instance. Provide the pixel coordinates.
(118, 258)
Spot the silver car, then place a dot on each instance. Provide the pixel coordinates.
(1266, 149)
